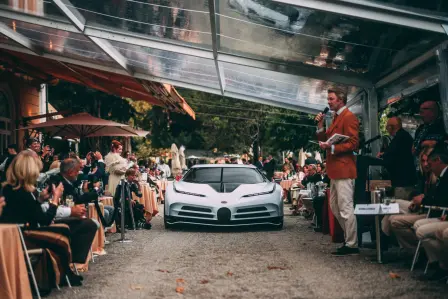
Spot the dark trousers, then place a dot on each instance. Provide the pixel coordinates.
(318, 204)
(82, 233)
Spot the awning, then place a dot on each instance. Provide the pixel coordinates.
(284, 53)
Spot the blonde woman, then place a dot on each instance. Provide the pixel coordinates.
(22, 206)
(116, 166)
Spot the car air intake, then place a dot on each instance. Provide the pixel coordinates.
(196, 209)
(192, 214)
(253, 209)
(254, 215)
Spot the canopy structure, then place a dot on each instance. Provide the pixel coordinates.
(284, 53)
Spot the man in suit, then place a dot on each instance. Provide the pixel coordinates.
(411, 227)
(341, 166)
(269, 167)
(399, 160)
(12, 153)
(82, 230)
(259, 163)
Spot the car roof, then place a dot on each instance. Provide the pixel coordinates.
(223, 166)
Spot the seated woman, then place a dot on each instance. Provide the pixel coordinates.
(22, 207)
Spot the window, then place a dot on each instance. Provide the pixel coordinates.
(240, 175)
(203, 175)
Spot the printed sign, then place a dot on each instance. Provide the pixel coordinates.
(377, 209)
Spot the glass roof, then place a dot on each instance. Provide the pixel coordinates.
(43, 8)
(170, 65)
(438, 7)
(283, 54)
(187, 21)
(285, 33)
(74, 45)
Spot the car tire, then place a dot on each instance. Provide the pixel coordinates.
(165, 223)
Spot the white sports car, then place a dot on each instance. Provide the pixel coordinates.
(224, 195)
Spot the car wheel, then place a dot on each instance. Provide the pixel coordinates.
(165, 223)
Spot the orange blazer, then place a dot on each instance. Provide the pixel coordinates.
(342, 164)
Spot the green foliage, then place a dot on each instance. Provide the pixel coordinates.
(383, 121)
(226, 124)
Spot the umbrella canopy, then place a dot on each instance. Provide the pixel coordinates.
(183, 164)
(301, 157)
(82, 125)
(318, 157)
(140, 133)
(175, 161)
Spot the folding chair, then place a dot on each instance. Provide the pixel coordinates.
(27, 252)
(427, 264)
(417, 251)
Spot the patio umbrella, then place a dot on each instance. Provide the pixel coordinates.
(175, 162)
(140, 133)
(183, 164)
(82, 125)
(318, 157)
(301, 157)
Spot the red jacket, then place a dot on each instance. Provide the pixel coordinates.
(342, 164)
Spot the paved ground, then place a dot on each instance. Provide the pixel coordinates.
(292, 263)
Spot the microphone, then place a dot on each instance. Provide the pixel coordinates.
(372, 139)
(324, 112)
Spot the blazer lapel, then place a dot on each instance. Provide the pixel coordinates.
(335, 123)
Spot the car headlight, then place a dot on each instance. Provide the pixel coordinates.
(260, 193)
(187, 193)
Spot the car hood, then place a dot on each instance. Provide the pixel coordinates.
(213, 189)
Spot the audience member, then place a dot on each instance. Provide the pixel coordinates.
(23, 208)
(404, 226)
(116, 166)
(12, 153)
(432, 130)
(398, 159)
(82, 230)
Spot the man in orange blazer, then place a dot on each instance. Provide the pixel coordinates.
(341, 166)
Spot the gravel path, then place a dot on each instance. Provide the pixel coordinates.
(292, 263)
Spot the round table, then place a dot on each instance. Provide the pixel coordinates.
(148, 200)
(13, 271)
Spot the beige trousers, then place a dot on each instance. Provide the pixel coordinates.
(442, 236)
(426, 232)
(401, 227)
(404, 209)
(341, 203)
(403, 192)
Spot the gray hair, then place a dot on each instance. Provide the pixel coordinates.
(68, 164)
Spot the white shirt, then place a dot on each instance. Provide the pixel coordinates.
(443, 171)
(166, 170)
(341, 110)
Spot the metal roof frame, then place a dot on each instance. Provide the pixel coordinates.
(102, 36)
(370, 10)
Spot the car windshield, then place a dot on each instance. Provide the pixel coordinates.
(228, 175)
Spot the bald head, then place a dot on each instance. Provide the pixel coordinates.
(393, 125)
(429, 111)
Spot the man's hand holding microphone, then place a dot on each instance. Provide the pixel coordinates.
(319, 119)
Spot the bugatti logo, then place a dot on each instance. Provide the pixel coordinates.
(223, 201)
